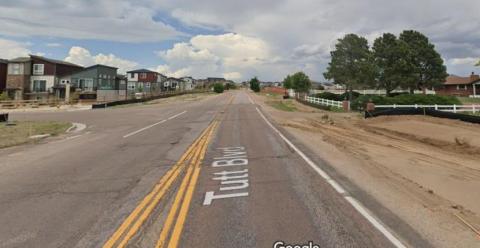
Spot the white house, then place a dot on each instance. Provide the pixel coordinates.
(188, 83)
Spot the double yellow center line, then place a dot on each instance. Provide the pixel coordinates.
(191, 160)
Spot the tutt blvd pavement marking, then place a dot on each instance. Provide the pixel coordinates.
(237, 180)
(154, 124)
(350, 199)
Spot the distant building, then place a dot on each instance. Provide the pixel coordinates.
(213, 80)
(172, 84)
(188, 83)
(460, 86)
(142, 81)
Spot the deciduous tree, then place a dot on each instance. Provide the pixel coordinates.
(300, 82)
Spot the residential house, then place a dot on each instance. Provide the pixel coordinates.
(213, 80)
(160, 80)
(3, 74)
(201, 83)
(37, 77)
(140, 81)
(18, 77)
(172, 84)
(188, 83)
(460, 86)
(95, 82)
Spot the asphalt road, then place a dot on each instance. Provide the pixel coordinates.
(241, 185)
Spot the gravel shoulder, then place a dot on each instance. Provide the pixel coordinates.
(423, 169)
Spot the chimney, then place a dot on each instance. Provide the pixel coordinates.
(474, 77)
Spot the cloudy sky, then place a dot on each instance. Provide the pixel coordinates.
(229, 38)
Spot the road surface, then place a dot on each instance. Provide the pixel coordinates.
(208, 173)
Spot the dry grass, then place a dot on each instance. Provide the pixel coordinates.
(283, 105)
(19, 133)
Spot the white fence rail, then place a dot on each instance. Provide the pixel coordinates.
(324, 102)
(474, 108)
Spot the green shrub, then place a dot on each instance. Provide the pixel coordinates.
(218, 88)
(403, 99)
(329, 96)
(344, 96)
(4, 96)
(337, 97)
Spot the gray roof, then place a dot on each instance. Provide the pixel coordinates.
(20, 59)
(4, 61)
(141, 71)
(55, 61)
(100, 65)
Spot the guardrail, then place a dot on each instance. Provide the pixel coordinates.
(324, 102)
(474, 108)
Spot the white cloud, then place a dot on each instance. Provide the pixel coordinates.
(463, 61)
(10, 49)
(229, 55)
(82, 56)
(125, 21)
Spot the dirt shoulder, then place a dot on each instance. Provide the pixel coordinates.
(425, 170)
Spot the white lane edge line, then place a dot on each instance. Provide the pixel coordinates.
(356, 204)
(250, 99)
(154, 124)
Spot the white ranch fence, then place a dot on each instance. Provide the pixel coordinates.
(324, 102)
(473, 108)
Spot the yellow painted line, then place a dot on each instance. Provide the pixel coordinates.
(149, 209)
(182, 215)
(178, 198)
(174, 171)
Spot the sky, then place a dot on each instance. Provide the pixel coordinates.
(233, 39)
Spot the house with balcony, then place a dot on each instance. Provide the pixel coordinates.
(142, 81)
(94, 82)
(37, 77)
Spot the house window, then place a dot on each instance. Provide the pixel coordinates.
(15, 69)
(39, 86)
(147, 85)
(86, 84)
(132, 75)
(38, 69)
(131, 85)
(143, 75)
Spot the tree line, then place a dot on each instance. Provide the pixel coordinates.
(409, 62)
